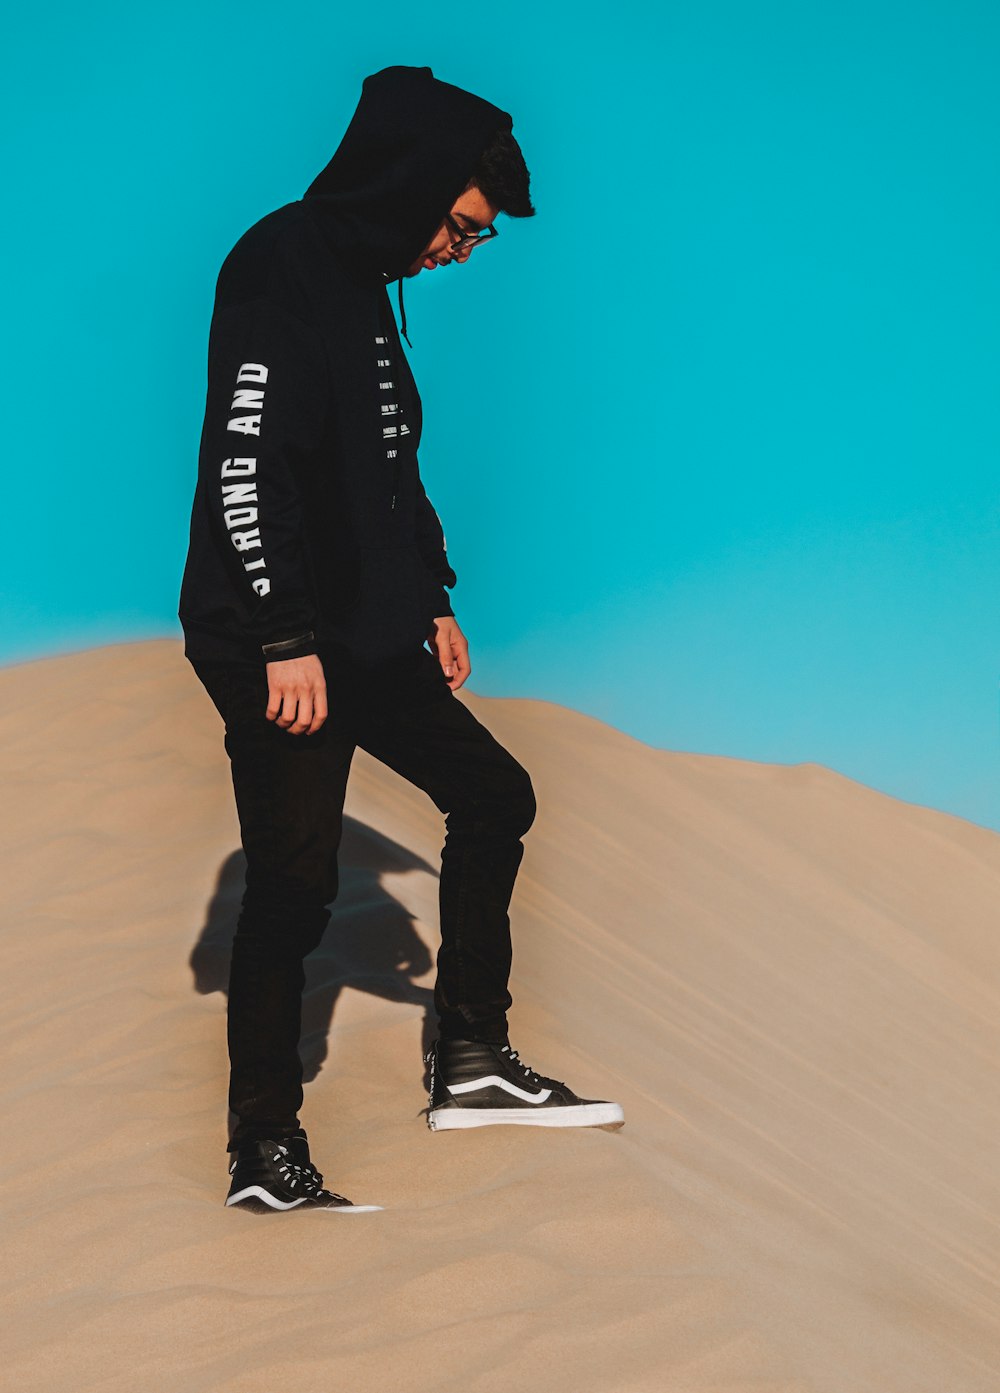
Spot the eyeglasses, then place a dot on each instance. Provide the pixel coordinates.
(469, 239)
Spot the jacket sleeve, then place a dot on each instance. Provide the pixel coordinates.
(266, 404)
(430, 540)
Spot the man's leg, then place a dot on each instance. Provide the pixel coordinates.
(415, 724)
(421, 729)
(290, 797)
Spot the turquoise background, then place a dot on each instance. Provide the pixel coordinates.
(714, 437)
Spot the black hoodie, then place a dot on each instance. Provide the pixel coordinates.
(310, 523)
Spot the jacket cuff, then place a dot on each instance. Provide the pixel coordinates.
(438, 602)
(298, 647)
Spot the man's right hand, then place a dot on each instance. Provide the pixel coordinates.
(296, 691)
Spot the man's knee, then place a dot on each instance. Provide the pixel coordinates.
(292, 916)
(524, 805)
(507, 808)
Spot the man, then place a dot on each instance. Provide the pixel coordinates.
(316, 573)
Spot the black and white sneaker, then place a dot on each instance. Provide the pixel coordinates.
(474, 1084)
(274, 1175)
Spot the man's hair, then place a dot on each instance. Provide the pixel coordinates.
(502, 177)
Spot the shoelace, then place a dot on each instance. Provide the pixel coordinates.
(310, 1178)
(535, 1077)
(431, 1058)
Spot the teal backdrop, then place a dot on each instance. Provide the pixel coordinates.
(714, 436)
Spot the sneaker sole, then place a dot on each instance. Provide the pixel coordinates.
(257, 1199)
(608, 1116)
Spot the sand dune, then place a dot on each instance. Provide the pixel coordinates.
(790, 981)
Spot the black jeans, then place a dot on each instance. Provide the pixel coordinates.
(290, 797)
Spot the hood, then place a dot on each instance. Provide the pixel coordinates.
(407, 154)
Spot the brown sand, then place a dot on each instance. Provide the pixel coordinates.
(789, 981)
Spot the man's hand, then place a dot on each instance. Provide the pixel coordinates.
(452, 648)
(297, 685)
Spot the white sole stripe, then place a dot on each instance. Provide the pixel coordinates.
(260, 1193)
(497, 1082)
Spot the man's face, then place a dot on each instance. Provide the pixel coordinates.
(473, 214)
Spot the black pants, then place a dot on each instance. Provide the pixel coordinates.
(290, 797)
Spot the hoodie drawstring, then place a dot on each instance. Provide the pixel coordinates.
(399, 433)
(402, 311)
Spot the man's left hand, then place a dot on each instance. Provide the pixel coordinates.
(452, 648)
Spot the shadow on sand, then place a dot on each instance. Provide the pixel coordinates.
(370, 943)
